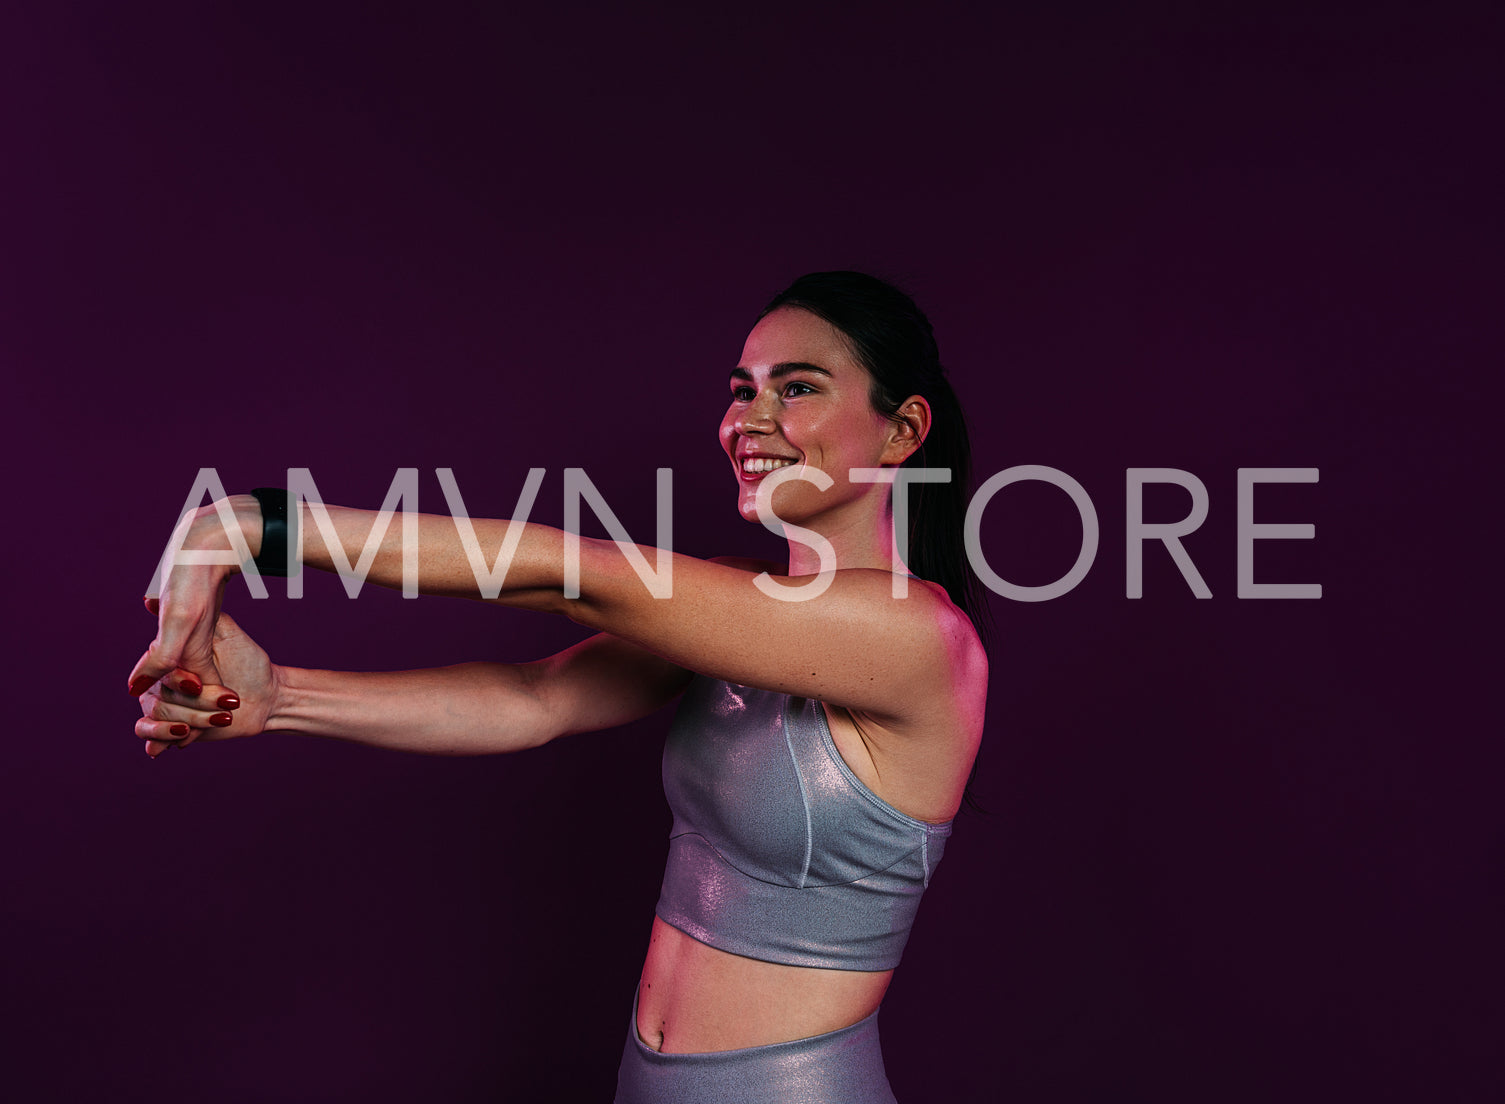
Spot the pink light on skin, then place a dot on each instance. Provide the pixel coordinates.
(767, 484)
(801, 399)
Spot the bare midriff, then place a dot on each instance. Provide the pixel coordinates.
(694, 998)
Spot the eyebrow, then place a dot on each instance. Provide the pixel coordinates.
(782, 369)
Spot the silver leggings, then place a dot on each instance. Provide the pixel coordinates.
(839, 1067)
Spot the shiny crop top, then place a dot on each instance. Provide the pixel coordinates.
(778, 852)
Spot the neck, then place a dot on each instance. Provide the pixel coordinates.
(863, 540)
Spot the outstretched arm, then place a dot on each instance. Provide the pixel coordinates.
(853, 645)
(469, 709)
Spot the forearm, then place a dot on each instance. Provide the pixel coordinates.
(429, 550)
(470, 709)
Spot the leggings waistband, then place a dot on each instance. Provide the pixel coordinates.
(840, 1067)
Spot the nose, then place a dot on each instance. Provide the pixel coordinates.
(756, 417)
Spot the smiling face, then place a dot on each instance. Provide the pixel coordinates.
(800, 396)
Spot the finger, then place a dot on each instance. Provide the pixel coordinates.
(161, 731)
(215, 725)
(171, 707)
(179, 679)
(185, 688)
(221, 631)
(155, 748)
(212, 698)
(194, 662)
(160, 736)
(155, 663)
(142, 677)
(182, 719)
(184, 682)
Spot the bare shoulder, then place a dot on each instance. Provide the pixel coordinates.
(959, 660)
(963, 645)
(849, 638)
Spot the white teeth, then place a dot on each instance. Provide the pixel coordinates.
(754, 465)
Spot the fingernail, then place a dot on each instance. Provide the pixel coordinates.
(221, 720)
(190, 686)
(140, 685)
(228, 701)
(179, 730)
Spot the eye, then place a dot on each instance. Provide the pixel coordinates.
(796, 389)
(743, 393)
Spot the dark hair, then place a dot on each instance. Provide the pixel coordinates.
(894, 341)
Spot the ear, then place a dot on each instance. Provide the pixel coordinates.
(911, 425)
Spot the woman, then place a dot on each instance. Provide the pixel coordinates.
(831, 707)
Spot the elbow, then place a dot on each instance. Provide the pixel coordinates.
(534, 737)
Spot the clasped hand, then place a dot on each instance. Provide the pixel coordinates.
(184, 678)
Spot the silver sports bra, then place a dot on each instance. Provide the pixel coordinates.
(778, 852)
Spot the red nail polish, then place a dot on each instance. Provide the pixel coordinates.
(191, 686)
(221, 720)
(179, 730)
(140, 685)
(228, 701)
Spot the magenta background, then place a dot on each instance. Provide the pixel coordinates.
(1236, 850)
